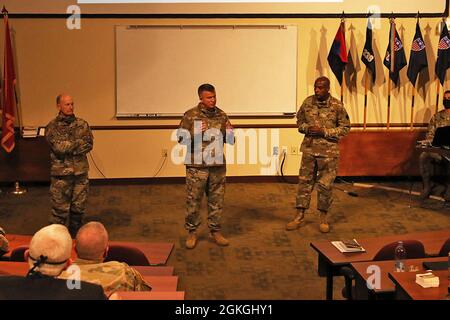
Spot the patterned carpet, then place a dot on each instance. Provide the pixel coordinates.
(263, 260)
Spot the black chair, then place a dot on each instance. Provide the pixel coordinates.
(130, 255)
(18, 254)
(414, 250)
(445, 249)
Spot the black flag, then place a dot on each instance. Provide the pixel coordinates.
(418, 58)
(395, 58)
(443, 56)
(367, 56)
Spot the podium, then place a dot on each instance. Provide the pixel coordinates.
(28, 162)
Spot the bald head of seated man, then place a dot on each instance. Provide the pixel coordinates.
(92, 248)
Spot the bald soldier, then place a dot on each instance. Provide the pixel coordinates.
(91, 245)
(323, 120)
(70, 139)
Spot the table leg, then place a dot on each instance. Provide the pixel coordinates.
(329, 284)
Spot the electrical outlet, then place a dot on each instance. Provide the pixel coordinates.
(164, 152)
(275, 151)
(294, 150)
(284, 150)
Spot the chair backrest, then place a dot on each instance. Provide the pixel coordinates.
(445, 249)
(18, 254)
(414, 250)
(130, 255)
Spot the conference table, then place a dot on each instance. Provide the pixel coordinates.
(406, 287)
(157, 253)
(331, 260)
(366, 271)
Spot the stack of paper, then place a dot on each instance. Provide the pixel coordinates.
(348, 246)
(29, 132)
(427, 280)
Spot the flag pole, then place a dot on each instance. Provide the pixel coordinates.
(391, 70)
(342, 25)
(412, 106)
(438, 87)
(366, 86)
(389, 105)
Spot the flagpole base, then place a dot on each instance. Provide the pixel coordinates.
(18, 190)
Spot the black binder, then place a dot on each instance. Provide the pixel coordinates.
(435, 265)
(442, 138)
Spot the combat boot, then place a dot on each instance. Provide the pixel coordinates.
(191, 240)
(324, 227)
(219, 239)
(297, 222)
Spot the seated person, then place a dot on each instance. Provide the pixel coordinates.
(92, 248)
(48, 255)
(4, 244)
(430, 162)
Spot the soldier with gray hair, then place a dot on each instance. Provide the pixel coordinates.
(48, 255)
(91, 245)
(70, 139)
(323, 120)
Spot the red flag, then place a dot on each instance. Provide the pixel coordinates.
(337, 57)
(9, 98)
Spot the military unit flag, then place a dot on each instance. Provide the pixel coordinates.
(8, 92)
(443, 56)
(418, 58)
(395, 58)
(368, 57)
(337, 58)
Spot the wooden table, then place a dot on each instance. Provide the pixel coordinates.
(157, 253)
(387, 287)
(407, 288)
(145, 295)
(330, 259)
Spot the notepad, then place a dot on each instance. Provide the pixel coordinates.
(347, 246)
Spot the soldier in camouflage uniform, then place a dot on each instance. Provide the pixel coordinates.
(429, 161)
(4, 243)
(70, 140)
(204, 129)
(323, 120)
(92, 248)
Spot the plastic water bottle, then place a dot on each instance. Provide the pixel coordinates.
(400, 256)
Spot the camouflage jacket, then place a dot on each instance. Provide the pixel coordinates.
(112, 276)
(70, 139)
(440, 119)
(329, 115)
(4, 244)
(204, 149)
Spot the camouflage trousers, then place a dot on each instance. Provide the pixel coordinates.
(435, 171)
(210, 180)
(316, 170)
(69, 196)
(429, 163)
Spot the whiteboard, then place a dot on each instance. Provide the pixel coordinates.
(159, 68)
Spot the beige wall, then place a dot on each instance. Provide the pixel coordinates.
(52, 59)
